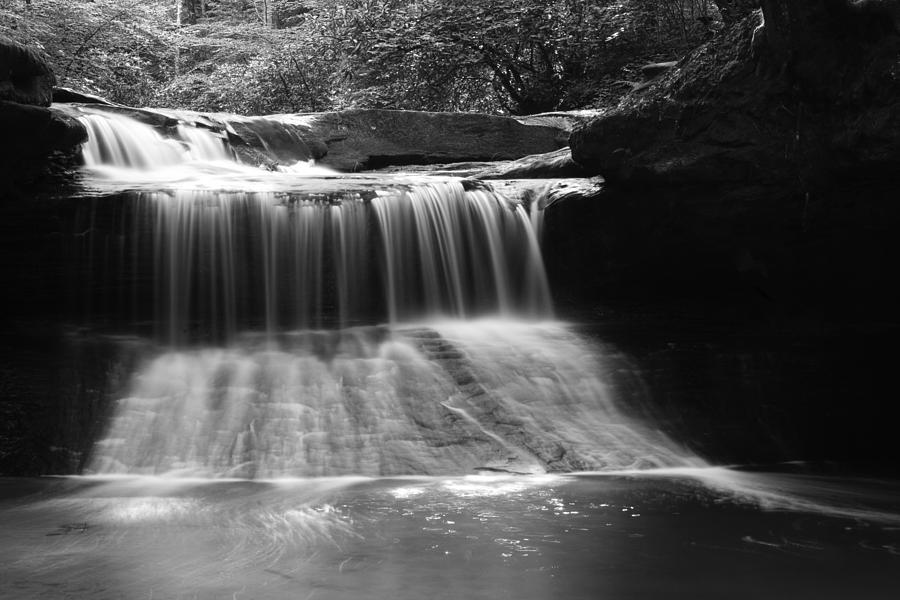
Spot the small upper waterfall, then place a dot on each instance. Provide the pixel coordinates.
(300, 322)
(120, 141)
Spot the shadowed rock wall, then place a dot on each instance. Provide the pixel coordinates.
(38, 143)
(760, 171)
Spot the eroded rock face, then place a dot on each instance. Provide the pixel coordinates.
(25, 77)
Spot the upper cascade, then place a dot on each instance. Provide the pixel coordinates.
(211, 247)
(120, 141)
(147, 149)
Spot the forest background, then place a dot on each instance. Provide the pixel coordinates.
(277, 56)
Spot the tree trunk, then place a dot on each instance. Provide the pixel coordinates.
(178, 8)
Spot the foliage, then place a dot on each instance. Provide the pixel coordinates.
(262, 56)
(248, 68)
(520, 57)
(116, 48)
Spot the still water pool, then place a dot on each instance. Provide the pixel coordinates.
(688, 533)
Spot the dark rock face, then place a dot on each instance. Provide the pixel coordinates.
(39, 148)
(25, 76)
(755, 177)
(770, 101)
(690, 136)
(34, 131)
(754, 253)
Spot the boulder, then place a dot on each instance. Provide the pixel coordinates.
(39, 149)
(33, 132)
(25, 76)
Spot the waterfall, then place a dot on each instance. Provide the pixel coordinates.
(121, 141)
(221, 262)
(309, 325)
(442, 398)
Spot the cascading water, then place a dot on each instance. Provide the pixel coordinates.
(257, 339)
(225, 261)
(317, 325)
(120, 141)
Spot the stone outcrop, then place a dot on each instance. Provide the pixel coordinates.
(25, 77)
(33, 132)
(755, 177)
(789, 95)
(39, 143)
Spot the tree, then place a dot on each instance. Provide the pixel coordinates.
(109, 47)
(254, 56)
(240, 60)
(519, 57)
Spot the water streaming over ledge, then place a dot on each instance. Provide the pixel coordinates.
(306, 323)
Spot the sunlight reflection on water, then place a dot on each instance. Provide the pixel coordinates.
(627, 535)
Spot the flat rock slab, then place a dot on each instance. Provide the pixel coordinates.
(370, 139)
